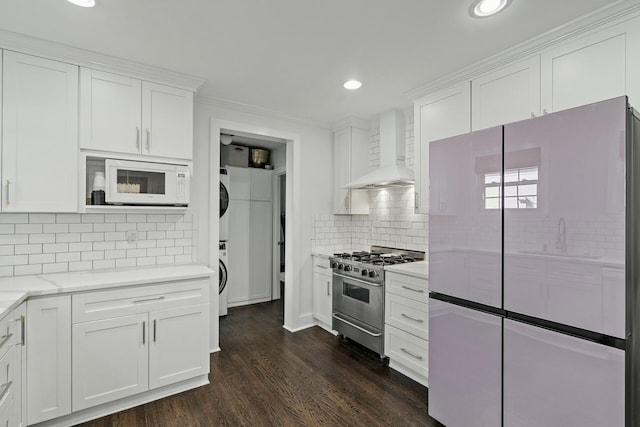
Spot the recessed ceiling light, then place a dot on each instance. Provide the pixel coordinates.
(352, 84)
(83, 3)
(483, 8)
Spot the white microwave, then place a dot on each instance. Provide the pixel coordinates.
(145, 183)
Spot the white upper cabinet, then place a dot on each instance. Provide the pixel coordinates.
(39, 135)
(126, 115)
(110, 108)
(350, 161)
(439, 115)
(506, 95)
(167, 121)
(590, 69)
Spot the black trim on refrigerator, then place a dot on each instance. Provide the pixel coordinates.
(468, 304)
(584, 334)
(632, 277)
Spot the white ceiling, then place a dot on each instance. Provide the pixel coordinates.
(292, 56)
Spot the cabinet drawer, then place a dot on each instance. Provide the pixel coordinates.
(408, 315)
(407, 350)
(100, 305)
(321, 266)
(6, 380)
(407, 286)
(7, 338)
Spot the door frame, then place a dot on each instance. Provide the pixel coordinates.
(293, 250)
(275, 290)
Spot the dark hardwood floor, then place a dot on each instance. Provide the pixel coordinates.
(266, 376)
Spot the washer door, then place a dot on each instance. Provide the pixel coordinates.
(223, 277)
(224, 199)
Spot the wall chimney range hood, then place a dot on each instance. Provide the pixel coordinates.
(392, 171)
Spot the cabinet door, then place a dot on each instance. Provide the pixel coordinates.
(465, 366)
(167, 121)
(261, 184)
(586, 70)
(179, 345)
(556, 380)
(48, 358)
(109, 360)
(39, 135)
(110, 112)
(506, 95)
(238, 251)
(260, 250)
(239, 183)
(322, 298)
(18, 317)
(440, 115)
(341, 171)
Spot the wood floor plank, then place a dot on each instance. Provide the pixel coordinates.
(267, 376)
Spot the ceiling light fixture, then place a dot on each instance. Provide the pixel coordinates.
(83, 3)
(352, 84)
(484, 8)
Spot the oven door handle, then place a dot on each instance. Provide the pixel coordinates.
(358, 280)
(335, 316)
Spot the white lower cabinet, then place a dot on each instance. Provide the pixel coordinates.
(322, 293)
(48, 358)
(110, 359)
(406, 330)
(18, 320)
(166, 340)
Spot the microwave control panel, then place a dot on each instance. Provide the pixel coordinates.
(182, 186)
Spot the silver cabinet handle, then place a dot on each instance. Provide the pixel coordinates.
(544, 112)
(420, 291)
(411, 354)
(335, 316)
(533, 116)
(322, 266)
(22, 324)
(8, 199)
(144, 332)
(137, 138)
(411, 318)
(4, 339)
(346, 203)
(328, 286)
(148, 139)
(416, 200)
(5, 390)
(137, 301)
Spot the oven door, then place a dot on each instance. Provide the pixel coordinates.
(359, 300)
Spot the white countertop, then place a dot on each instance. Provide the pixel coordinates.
(14, 290)
(419, 269)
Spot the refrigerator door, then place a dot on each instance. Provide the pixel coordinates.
(556, 380)
(465, 222)
(564, 217)
(465, 366)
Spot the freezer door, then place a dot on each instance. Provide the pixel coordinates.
(465, 221)
(564, 217)
(465, 366)
(556, 380)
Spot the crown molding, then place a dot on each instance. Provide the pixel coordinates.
(258, 111)
(617, 13)
(97, 61)
(351, 121)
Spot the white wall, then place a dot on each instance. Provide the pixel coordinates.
(312, 193)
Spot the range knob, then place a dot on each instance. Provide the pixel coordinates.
(364, 272)
(347, 268)
(340, 266)
(373, 273)
(334, 264)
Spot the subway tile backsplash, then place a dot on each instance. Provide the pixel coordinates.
(52, 243)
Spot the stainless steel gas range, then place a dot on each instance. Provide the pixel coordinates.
(358, 292)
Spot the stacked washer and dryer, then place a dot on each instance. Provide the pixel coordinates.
(224, 236)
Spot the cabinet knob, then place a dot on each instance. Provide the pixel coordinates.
(533, 116)
(544, 112)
